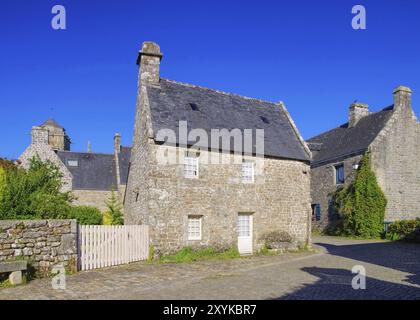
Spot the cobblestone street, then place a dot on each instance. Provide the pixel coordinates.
(393, 272)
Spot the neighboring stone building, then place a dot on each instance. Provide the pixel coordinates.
(194, 202)
(392, 136)
(90, 176)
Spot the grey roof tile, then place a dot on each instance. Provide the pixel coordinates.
(170, 103)
(94, 171)
(124, 161)
(344, 141)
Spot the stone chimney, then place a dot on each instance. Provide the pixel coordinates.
(357, 111)
(402, 98)
(39, 135)
(149, 62)
(117, 143)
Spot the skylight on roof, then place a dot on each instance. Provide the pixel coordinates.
(264, 119)
(194, 107)
(73, 163)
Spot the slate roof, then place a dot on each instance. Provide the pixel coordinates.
(94, 171)
(208, 109)
(52, 123)
(343, 141)
(124, 161)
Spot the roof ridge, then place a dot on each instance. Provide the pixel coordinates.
(219, 91)
(85, 152)
(388, 108)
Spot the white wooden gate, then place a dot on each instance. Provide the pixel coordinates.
(105, 246)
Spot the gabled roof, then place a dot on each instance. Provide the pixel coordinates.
(94, 171)
(343, 141)
(208, 109)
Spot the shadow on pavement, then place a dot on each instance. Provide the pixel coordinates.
(335, 284)
(399, 256)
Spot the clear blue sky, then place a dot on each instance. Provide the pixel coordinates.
(304, 53)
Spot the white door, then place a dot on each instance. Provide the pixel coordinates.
(245, 233)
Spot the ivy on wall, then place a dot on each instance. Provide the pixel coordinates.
(362, 204)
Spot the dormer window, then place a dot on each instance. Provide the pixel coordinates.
(72, 162)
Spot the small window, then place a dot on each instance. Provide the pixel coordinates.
(194, 227)
(339, 174)
(194, 107)
(191, 167)
(73, 163)
(316, 212)
(264, 119)
(247, 172)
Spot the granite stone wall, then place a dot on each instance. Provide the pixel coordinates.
(395, 160)
(279, 200)
(93, 198)
(323, 185)
(43, 243)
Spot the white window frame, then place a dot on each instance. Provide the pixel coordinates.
(191, 165)
(246, 167)
(192, 235)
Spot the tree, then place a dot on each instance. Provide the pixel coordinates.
(34, 193)
(362, 204)
(114, 215)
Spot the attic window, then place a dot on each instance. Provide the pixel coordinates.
(264, 119)
(72, 162)
(194, 107)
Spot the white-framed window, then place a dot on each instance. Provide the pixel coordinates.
(191, 167)
(72, 162)
(247, 172)
(244, 225)
(194, 227)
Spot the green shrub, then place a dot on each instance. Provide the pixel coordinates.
(86, 215)
(34, 193)
(188, 254)
(407, 230)
(114, 215)
(362, 204)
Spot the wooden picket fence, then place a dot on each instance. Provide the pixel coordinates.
(105, 246)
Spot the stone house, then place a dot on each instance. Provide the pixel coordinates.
(391, 136)
(90, 176)
(223, 204)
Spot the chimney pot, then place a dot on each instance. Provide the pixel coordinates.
(402, 98)
(149, 61)
(117, 143)
(357, 111)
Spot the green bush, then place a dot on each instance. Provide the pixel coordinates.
(188, 254)
(86, 215)
(34, 193)
(362, 204)
(407, 230)
(114, 215)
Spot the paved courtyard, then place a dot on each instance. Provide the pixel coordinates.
(393, 272)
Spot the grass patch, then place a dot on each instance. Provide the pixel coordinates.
(188, 255)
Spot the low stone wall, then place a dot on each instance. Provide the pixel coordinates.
(43, 243)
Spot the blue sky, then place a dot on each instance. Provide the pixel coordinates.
(304, 53)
